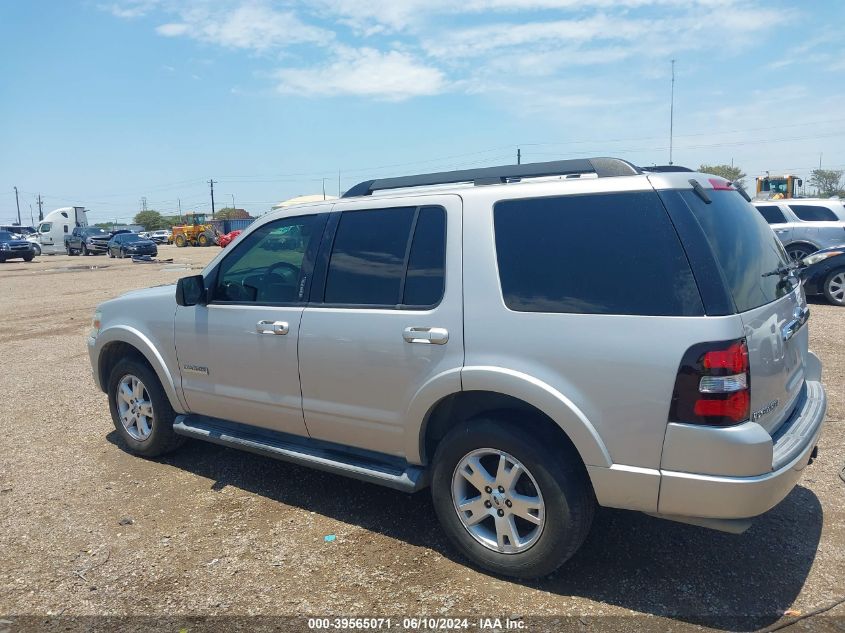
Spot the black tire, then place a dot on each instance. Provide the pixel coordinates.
(85, 250)
(68, 250)
(2, 259)
(834, 287)
(121, 254)
(28, 258)
(560, 477)
(162, 439)
(111, 255)
(37, 249)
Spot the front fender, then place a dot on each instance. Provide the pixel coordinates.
(548, 400)
(138, 340)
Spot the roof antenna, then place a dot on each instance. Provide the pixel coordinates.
(672, 112)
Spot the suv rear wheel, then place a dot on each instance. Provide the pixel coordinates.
(509, 503)
(797, 252)
(140, 409)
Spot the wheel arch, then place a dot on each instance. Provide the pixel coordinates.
(493, 389)
(120, 342)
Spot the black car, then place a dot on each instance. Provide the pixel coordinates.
(13, 248)
(131, 244)
(824, 274)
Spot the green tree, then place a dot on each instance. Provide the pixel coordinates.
(728, 172)
(151, 220)
(229, 213)
(827, 181)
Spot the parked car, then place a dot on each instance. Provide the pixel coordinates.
(805, 225)
(823, 273)
(456, 330)
(17, 229)
(12, 247)
(224, 240)
(129, 244)
(88, 240)
(162, 236)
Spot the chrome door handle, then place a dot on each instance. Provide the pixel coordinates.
(272, 327)
(428, 335)
(780, 230)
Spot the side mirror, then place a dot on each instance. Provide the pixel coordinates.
(190, 291)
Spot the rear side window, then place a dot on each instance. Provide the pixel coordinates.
(593, 254)
(772, 214)
(744, 246)
(424, 280)
(388, 258)
(812, 213)
(368, 257)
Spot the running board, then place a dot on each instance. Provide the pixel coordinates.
(369, 466)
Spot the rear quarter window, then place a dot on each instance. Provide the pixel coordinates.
(615, 253)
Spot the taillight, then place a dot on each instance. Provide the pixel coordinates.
(713, 385)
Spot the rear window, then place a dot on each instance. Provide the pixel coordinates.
(772, 214)
(812, 213)
(744, 246)
(593, 254)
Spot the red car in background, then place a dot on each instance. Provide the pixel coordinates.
(225, 240)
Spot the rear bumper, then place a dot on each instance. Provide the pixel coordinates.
(731, 497)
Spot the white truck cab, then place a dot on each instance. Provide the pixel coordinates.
(56, 225)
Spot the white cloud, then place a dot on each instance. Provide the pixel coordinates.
(364, 72)
(250, 25)
(130, 9)
(173, 29)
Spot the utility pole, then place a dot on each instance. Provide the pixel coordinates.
(672, 113)
(179, 205)
(144, 203)
(31, 219)
(40, 214)
(338, 184)
(820, 159)
(18, 205)
(518, 156)
(233, 201)
(324, 188)
(211, 184)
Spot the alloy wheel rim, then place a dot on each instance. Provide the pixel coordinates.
(498, 501)
(797, 254)
(135, 407)
(836, 287)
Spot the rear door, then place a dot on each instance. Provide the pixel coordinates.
(385, 319)
(772, 305)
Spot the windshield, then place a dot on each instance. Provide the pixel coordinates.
(131, 237)
(5, 236)
(95, 231)
(744, 245)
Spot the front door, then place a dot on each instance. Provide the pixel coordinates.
(238, 354)
(385, 320)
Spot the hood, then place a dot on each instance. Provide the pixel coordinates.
(150, 293)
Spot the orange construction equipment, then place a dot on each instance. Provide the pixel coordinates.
(778, 187)
(196, 231)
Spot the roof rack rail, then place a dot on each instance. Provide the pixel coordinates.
(602, 167)
(665, 168)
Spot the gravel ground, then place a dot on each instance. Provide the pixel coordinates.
(88, 530)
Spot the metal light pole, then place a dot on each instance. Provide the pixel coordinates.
(672, 113)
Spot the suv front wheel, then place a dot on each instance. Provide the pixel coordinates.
(140, 409)
(510, 503)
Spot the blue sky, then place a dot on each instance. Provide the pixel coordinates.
(103, 102)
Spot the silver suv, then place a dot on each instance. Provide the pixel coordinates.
(528, 341)
(805, 225)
